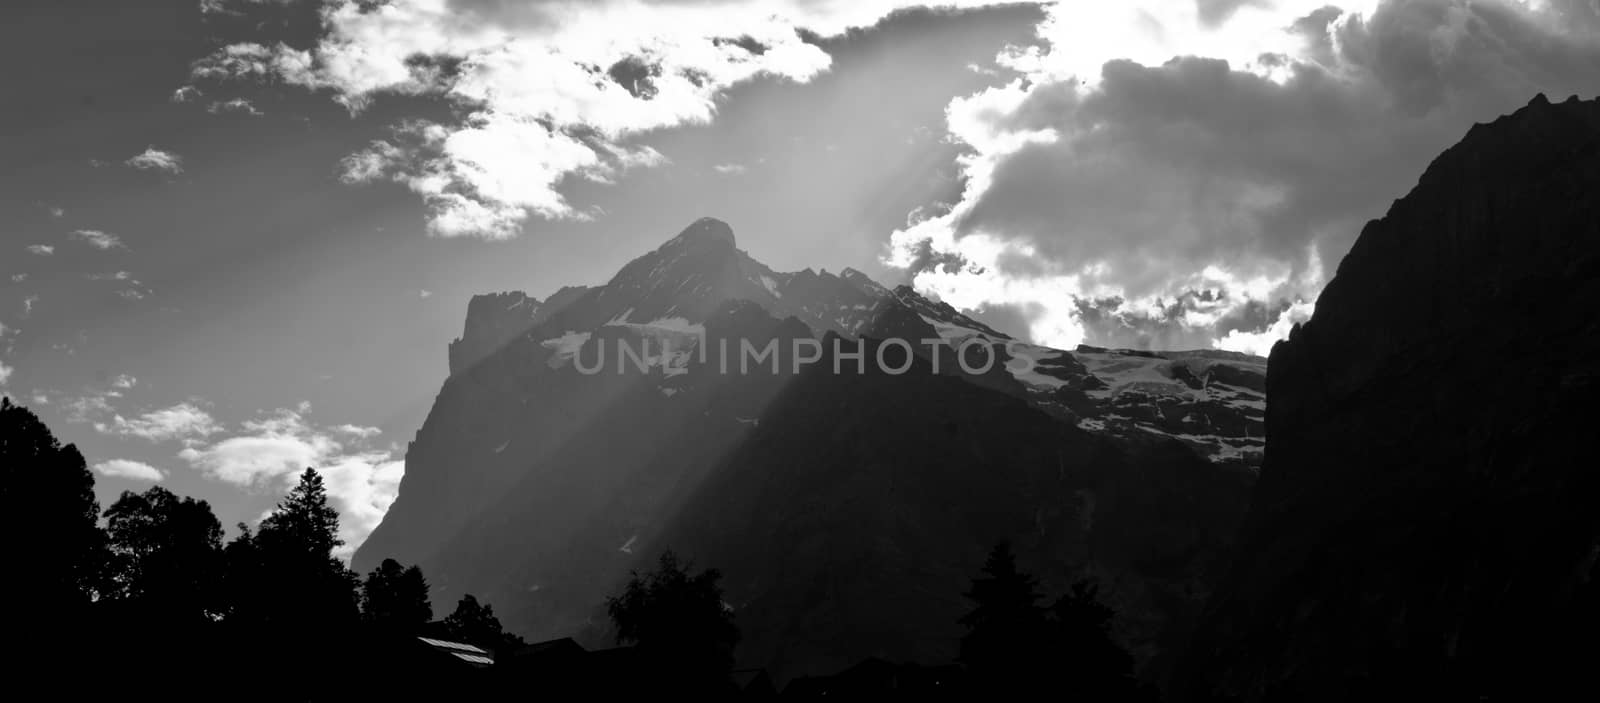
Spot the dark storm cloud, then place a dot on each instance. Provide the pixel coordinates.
(1195, 160)
(1265, 164)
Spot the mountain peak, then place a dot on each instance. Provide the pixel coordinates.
(708, 229)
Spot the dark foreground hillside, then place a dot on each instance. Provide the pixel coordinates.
(1427, 520)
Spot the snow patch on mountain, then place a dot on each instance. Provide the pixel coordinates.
(565, 348)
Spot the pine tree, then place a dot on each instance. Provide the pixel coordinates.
(288, 567)
(1099, 668)
(303, 520)
(1006, 629)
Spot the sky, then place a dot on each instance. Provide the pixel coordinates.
(237, 235)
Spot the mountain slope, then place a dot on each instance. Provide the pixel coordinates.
(537, 484)
(855, 513)
(1425, 522)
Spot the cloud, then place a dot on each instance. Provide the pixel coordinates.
(98, 239)
(729, 169)
(153, 158)
(545, 92)
(57, 212)
(184, 421)
(28, 303)
(239, 105)
(41, 249)
(130, 470)
(358, 431)
(186, 93)
(135, 289)
(1176, 173)
(19, 277)
(86, 408)
(234, 7)
(5, 373)
(273, 450)
(1260, 342)
(424, 293)
(124, 381)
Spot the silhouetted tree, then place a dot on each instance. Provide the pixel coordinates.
(396, 598)
(247, 600)
(304, 521)
(680, 620)
(1007, 641)
(1098, 667)
(166, 555)
(474, 623)
(1014, 646)
(285, 574)
(49, 531)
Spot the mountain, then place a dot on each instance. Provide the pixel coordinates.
(847, 501)
(1425, 524)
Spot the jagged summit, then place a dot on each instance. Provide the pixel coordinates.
(696, 274)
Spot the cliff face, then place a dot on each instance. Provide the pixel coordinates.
(495, 319)
(1427, 519)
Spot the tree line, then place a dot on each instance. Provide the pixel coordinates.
(153, 573)
(153, 570)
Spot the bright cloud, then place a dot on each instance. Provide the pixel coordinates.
(98, 239)
(547, 91)
(1174, 173)
(5, 373)
(1260, 343)
(236, 105)
(41, 249)
(185, 421)
(272, 451)
(358, 431)
(155, 159)
(128, 469)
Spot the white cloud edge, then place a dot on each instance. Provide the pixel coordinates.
(130, 470)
